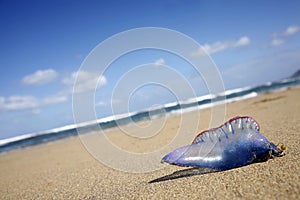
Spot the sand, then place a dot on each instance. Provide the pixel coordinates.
(65, 170)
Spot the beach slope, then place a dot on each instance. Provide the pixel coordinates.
(65, 170)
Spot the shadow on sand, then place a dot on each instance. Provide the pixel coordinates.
(185, 173)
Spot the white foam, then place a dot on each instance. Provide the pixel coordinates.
(167, 105)
(12, 139)
(236, 90)
(209, 105)
(197, 99)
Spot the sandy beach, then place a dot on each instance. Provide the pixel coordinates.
(65, 170)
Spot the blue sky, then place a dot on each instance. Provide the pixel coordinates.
(43, 44)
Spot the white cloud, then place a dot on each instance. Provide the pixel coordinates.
(291, 30)
(277, 41)
(221, 46)
(18, 102)
(159, 62)
(85, 81)
(280, 38)
(40, 77)
(242, 41)
(27, 102)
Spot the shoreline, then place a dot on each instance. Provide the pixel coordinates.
(17, 139)
(64, 169)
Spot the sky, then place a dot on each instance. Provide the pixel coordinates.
(44, 43)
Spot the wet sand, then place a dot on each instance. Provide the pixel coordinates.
(65, 170)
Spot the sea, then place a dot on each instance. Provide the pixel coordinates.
(174, 108)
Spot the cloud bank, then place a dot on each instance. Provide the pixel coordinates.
(279, 38)
(28, 102)
(85, 81)
(40, 77)
(159, 62)
(221, 46)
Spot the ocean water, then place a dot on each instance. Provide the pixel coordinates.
(168, 109)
